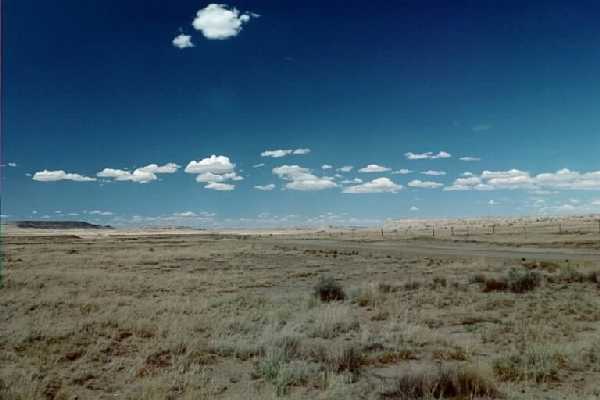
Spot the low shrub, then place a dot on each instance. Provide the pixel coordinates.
(447, 381)
(327, 289)
(517, 281)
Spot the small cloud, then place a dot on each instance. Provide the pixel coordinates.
(493, 203)
(185, 214)
(345, 168)
(379, 185)
(301, 151)
(102, 213)
(12, 164)
(470, 159)
(265, 188)
(482, 127)
(216, 21)
(282, 153)
(434, 173)
(183, 41)
(427, 156)
(424, 184)
(402, 171)
(60, 175)
(219, 186)
(258, 165)
(326, 166)
(373, 168)
(414, 208)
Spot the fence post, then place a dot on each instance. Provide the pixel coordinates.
(433, 231)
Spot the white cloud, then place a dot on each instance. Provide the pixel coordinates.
(183, 41)
(402, 171)
(345, 168)
(596, 202)
(470, 159)
(301, 151)
(563, 179)
(379, 185)
(185, 214)
(60, 175)
(140, 175)
(414, 208)
(169, 168)
(300, 178)
(276, 153)
(372, 168)
(353, 181)
(210, 177)
(12, 164)
(282, 153)
(213, 171)
(424, 184)
(258, 165)
(427, 156)
(214, 164)
(326, 166)
(434, 173)
(219, 186)
(102, 213)
(265, 188)
(216, 21)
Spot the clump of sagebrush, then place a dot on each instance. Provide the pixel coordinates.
(517, 281)
(447, 381)
(327, 289)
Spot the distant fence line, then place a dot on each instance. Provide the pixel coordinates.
(462, 230)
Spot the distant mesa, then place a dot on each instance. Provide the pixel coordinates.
(59, 225)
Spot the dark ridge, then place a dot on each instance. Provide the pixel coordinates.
(60, 225)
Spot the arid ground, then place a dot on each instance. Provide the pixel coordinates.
(302, 315)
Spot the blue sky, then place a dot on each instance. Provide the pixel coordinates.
(98, 89)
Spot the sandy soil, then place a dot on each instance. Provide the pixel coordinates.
(233, 315)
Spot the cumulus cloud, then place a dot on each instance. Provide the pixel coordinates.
(282, 153)
(434, 173)
(379, 185)
(470, 159)
(300, 178)
(140, 175)
(427, 156)
(563, 179)
(219, 186)
(424, 184)
(12, 164)
(353, 181)
(60, 175)
(265, 188)
(402, 171)
(345, 168)
(217, 21)
(214, 164)
(214, 171)
(373, 168)
(326, 166)
(183, 41)
(414, 208)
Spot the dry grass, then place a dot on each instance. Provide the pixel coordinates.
(218, 317)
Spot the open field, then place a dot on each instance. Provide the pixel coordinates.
(205, 315)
